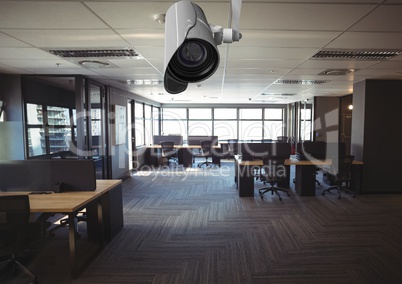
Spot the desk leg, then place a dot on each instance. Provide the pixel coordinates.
(305, 180)
(187, 157)
(72, 234)
(100, 223)
(356, 183)
(245, 181)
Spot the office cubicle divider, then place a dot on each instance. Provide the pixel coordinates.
(47, 175)
(176, 139)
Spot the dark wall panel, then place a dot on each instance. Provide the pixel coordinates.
(377, 132)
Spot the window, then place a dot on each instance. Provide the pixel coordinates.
(305, 123)
(226, 123)
(273, 123)
(49, 129)
(199, 113)
(146, 123)
(174, 121)
(139, 124)
(250, 124)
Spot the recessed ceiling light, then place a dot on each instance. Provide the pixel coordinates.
(336, 72)
(93, 64)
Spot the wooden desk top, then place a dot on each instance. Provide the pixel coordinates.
(66, 202)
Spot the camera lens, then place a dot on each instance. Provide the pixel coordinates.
(191, 54)
(195, 60)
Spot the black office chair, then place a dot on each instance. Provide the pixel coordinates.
(16, 232)
(169, 152)
(233, 147)
(282, 139)
(205, 152)
(341, 175)
(63, 223)
(273, 171)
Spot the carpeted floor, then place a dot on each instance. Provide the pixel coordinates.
(190, 226)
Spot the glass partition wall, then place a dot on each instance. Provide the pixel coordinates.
(65, 117)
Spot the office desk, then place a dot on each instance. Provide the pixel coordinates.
(104, 212)
(305, 175)
(184, 154)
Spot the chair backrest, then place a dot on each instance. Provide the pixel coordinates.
(233, 146)
(206, 147)
(273, 168)
(167, 147)
(14, 218)
(282, 139)
(344, 167)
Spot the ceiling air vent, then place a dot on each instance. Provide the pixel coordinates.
(356, 54)
(301, 82)
(85, 53)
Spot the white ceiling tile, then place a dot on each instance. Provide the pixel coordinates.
(69, 38)
(267, 38)
(267, 53)
(366, 40)
(47, 14)
(24, 53)
(384, 18)
(8, 41)
(335, 64)
(137, 37)
(57, 64)
(303, 16)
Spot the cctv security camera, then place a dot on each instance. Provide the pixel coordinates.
(191, 54)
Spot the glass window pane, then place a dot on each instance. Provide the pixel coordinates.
(273, 113)
(250, 130)
(138, 110)
(199, 127)
(199, 113)
(306, 130)
(139, 132)
(155, 114)
(273, 129)
(34, 114)
(174, 113)
(173, 127)
(148, 113)
(305, 114)
(226, 130)
(59, 139)
(250, 113)
(225, 113)
(148, 132)
(59, 116)
(36, 141)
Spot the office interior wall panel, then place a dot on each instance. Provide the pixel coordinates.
(381, 137)
(359, 101)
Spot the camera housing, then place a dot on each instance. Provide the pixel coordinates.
(191, 54)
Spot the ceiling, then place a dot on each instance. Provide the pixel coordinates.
(279, 40)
